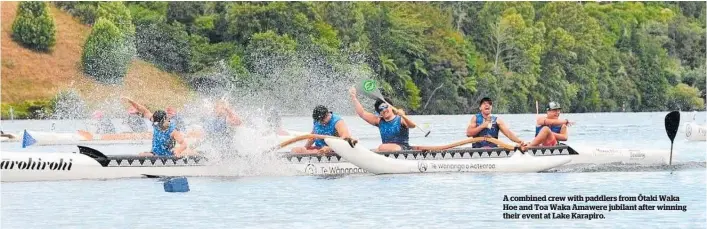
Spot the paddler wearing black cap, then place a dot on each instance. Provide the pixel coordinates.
(325, 123)
(483, 124)
(550, 130)
(164, 133)
(393, 124)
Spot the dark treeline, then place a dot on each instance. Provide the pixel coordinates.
(442, 57)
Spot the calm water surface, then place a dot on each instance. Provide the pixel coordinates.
(368, 201)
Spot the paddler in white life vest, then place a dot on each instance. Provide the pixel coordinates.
(483, 124)
(325, 123)
(393, 125)
(550, 130)
(164, 135)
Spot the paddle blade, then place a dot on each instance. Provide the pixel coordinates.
(672, 122)
(370, 88)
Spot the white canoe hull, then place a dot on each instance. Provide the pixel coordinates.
(17, 166)
(50, 166)
(379, 164)
(695, 132)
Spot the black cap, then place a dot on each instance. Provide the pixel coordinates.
(319, 113)
(485, 99)
(159, 116)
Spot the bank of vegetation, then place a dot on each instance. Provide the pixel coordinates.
(432, 57)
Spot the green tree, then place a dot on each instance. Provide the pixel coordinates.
(119, 15)
(106, 56)
(34, 26)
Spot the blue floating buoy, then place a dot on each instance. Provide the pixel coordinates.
(176, 184)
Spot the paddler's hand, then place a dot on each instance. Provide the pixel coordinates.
(523, 146)
(486, 123)
(352, 142)
(397, 111)
(324, 150)
(568, 123)
(352, 92)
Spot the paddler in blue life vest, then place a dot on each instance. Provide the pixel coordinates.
(393, 126)
(483, 124)
(550, 130)
(325, 123)
(176, 118)
(164, 135)
(219, 125)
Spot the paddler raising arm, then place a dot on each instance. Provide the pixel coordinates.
(219, 126)
(164, 133)
(550, 130)
(392, 123)
(325, 123)
(483, 124)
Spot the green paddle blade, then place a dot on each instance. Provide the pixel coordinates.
(672, 122)
(369, 88)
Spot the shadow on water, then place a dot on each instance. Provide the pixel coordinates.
(619, 167)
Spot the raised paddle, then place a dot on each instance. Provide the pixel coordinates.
(370, 88)
(672, 122)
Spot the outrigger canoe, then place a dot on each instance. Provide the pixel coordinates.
(91, 164)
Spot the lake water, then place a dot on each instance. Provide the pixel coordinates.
(391, 201)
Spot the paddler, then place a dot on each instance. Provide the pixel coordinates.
(483, 124)
(218, 126)
(176, 118)
(393, 125)
(135, 120)
(550, 130)
(164, 133)
(325, 123)
(103, 124)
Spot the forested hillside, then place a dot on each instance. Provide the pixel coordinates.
(441, 57)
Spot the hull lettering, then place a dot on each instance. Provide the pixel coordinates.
(36, 164)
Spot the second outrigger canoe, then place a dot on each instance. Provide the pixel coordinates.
(42, 138)
(91, 164)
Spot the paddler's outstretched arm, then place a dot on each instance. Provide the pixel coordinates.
(140, 108)
(233, 118)
(342, 129)
(506, 131)
(543, 121)
(368, 117)
(179, 138)
(310, 141)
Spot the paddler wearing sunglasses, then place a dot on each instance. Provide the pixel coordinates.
(393, 125)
